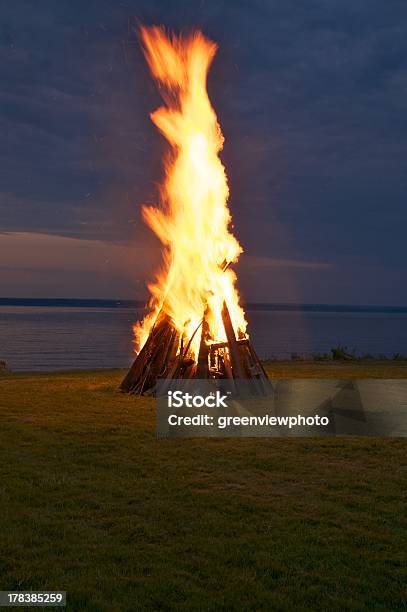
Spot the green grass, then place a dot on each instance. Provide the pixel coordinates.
(370, 368)
(93, 504)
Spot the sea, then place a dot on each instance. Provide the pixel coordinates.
(54, 334)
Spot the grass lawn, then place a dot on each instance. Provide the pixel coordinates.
(372, 368)
(93, 504)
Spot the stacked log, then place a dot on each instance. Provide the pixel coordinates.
(164, 356)
(155, 357)
(4, 369)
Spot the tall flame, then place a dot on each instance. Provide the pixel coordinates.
(193, 221)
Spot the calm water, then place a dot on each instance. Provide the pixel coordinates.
(54, 338)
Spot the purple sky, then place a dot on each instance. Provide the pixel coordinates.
(311, 98)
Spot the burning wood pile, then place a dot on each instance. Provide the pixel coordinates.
(196, 327)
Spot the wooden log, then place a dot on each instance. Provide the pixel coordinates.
(258, 379)
(227, 364)
(235, 359)
(163, 356)
(203, 355)
(256, 360)
(159, 362)
(150, 361)
(218, 345)
(189, 369)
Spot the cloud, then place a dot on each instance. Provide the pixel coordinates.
(264, 263)
(63, 263)
(311, 98)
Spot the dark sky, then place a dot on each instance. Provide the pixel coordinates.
(311, 97)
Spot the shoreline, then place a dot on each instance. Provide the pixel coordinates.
(286, 369)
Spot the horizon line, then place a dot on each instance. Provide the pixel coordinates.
(133, 303)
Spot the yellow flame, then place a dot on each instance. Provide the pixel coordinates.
(193, 220)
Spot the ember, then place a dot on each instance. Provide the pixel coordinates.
(196, 327)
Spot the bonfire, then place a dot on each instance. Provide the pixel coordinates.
(196, 326)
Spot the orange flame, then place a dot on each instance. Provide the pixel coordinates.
(193, 221)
